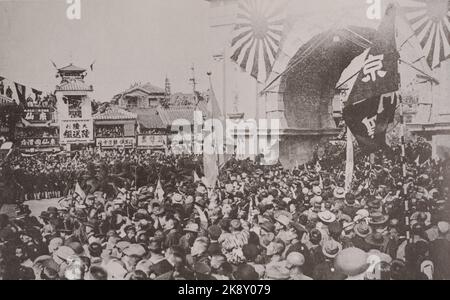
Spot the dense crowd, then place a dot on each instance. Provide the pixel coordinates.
(149, 216)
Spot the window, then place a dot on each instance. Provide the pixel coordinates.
(152, 102)
(74, 103)
(109, 131)
(132, 102)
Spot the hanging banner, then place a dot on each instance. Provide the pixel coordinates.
(152, 141)
(77, 131)
(126, 142)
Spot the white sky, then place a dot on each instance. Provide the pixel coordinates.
(131, 40)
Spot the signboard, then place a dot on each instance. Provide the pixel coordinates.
(152, 141)
(76, 131)
(37, 114)
(39, 142)
(126, 142)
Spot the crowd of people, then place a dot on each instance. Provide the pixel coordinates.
(140, 216)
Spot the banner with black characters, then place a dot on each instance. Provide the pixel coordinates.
(76, 131)
(368, 120)
(49, 142)
(373, 98)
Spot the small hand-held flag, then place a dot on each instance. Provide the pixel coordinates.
(196, 178)
(79, 192)
(318, 167)
(202, 217)
(159, 191)
(92, 66)
(417, 161)
(349, 163)
(213, 157)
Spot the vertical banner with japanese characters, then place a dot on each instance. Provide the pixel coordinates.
(372, 101)
(76, 131)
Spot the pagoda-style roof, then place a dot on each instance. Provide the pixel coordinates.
(115, 113)
(71, 69)
(74, 86)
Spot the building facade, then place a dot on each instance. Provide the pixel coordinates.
(74, 97)
(140, 96)
(115, 128)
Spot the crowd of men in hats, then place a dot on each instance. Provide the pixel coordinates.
(149, 217)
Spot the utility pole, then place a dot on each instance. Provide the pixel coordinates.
(193, 80)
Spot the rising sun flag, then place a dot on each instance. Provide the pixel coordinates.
(430, 21)
(257, 36)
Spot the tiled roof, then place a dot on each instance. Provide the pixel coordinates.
(152, 89)
(169, 115)
(149, 118)
(72, 68)
(115, 113)
(74, 85)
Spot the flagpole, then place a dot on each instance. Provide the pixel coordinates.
(257, 116)
(403, 157)
(404, 174)
(136, 174)
(213, 117)
(349, 165)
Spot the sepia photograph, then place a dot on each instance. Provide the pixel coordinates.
(224, 140)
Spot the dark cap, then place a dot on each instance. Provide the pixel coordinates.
(245, 272)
